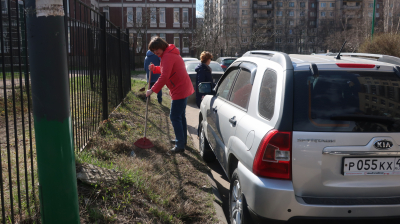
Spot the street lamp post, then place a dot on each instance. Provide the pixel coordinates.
(373, 21)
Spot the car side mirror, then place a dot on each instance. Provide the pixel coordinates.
(206, 88)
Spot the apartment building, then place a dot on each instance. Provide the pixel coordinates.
(173, 20)
(295, 26)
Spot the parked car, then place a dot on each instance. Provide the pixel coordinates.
(217, 72)
(190, 59)
(305, 137)
(225, 61)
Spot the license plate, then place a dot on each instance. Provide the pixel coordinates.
(371, 166)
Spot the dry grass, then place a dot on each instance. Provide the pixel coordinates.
(156, 186)
(386, 43)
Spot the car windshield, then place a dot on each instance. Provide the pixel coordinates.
(340, 101)
(228, 61)
(190, 67)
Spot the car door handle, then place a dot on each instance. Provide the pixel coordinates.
(215, 109)
(233, 120)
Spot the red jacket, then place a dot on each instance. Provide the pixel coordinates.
(173, 74)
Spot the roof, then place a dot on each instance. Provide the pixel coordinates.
(329, 62)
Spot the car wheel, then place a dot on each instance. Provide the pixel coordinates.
(238, 211)
(205, 150)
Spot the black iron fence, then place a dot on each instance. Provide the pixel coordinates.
(18, 179)
(99, 79)
(99, 68)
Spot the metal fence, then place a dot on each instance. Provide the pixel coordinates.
(18, 191)
(99, 68)
(99, 79)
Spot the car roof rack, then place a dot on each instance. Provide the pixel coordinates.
(377, 57)
(278, 57)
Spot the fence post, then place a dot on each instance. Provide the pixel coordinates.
(91, 56)
(120, 90)
(51, 112)
(103, 71)
(129, 58)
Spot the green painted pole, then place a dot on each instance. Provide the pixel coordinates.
(373, 21)
(51, 112)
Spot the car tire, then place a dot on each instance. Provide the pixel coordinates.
(205, 150)
(238, 211)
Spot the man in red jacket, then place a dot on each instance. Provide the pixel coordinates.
(174, 75)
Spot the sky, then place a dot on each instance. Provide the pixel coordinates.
(199, 8)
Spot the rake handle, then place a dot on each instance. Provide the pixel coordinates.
(147, 106)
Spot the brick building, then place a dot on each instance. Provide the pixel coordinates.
(173, 20)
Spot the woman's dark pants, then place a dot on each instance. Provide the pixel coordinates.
(178, 119)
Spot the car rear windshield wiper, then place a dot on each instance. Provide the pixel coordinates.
(369, 118)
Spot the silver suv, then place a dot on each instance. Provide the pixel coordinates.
(306, 136)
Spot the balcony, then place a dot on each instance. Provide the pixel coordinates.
(350, 7)
(255, 6)
(263, 15)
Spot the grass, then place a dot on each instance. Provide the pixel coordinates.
(155, 186)
(138, 72)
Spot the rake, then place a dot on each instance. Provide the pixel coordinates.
(145, 143)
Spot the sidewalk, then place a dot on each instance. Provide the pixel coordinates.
(192, 117)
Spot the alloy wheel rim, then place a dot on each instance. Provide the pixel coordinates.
(236, 203)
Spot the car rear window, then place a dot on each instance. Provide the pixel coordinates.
(346, 101)
(228, 61)
(216, 67)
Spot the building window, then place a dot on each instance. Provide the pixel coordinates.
(291, 4)
(139, 44)
(244, 21)
(244, 3)
(185, 45)
(280, 4)
(162, 15)
(279, 31)
(290, 31)
(312, 5)
(185, 14)
(291, 23)
(290, 40)
(269, 3)
(302, 4)
(176, 17)
(323, 4)
(312, 23)
(312, 14)
(129, 17)
(331, 14)
(153, 17)
(332, 4)
(138, 15)
(4, 8)
(377, 6)
(162, 35)
(278, 40)
(176, 40)
(279, 13)
(357, 4)
(244, 40)
(291, 13)
(278, 22)
(377, 14)
(371, 5)
(106, 11)
(331, 22)
(302, 13)
(244, 12)
(323, 14)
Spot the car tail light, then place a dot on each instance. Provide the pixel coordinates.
(354, 65)
(223, 66)
(273, 157)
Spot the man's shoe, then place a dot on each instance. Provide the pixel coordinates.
(172, 141)
(176, 150)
